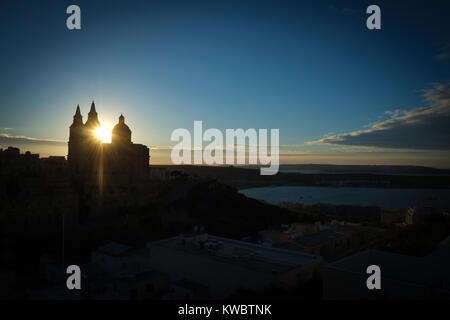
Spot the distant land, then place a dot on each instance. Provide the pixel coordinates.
(379, 176)
(372, 169)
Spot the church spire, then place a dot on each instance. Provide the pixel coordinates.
(92, 107)
(77, 118)
(92, 120)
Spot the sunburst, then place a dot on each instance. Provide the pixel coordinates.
(103, 133)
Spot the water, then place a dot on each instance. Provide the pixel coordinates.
(388, 199)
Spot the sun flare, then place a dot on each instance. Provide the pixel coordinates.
(103, 133)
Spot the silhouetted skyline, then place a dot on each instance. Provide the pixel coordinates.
(311, 69)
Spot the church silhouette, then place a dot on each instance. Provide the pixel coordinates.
(88, 155)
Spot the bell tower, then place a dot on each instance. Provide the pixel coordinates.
(76, 139)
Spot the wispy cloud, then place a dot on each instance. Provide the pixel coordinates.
(7, 139)
(444, 53)
(426, 128)
(345, 10)
(443, 56)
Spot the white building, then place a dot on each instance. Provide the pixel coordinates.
(225, 265)
(120, 271)
(117, 259)
(402, 276)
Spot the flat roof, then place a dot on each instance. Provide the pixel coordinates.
(430, 270)
(114, 249)
(252, 255)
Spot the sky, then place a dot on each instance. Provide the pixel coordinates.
(338, 92)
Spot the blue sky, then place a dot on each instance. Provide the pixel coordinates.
(310, 68)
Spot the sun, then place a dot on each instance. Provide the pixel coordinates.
(103, 133)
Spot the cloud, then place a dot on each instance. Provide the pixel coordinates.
(10, 140)
(425, 128)
(443, 56)
(344, 11)
(444, 53)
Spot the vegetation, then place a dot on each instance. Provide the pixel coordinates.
(421, 238)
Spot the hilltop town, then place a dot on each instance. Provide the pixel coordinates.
(184, 232)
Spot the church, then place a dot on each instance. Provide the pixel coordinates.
(88, 155)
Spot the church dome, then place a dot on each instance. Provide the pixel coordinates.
(121, 132)
(121, 126)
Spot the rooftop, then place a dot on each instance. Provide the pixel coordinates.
(428, 270)
(254, 256)
(114, 249)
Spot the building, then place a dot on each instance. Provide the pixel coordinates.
(89, 155)
(225, 265)
(54, 167)
(36, 195)
(187, 290)
(33, 207)
(123, 272)
(417, 215)
(12, 162)
(392, 217)
(402, 276)
(331, 241)
(117, 259)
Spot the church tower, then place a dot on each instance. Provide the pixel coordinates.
(77, 124)
(76, 139)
